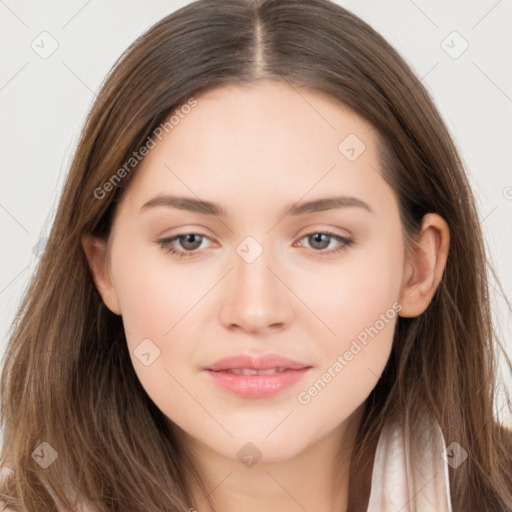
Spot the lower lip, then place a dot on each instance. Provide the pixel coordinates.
(257, 386)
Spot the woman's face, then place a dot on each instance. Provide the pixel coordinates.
(259, 278)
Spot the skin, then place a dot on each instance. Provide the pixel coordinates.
(255, 150)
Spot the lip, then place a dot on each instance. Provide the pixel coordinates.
(256, 386)
(264, 362)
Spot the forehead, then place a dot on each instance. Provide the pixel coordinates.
(265, 139)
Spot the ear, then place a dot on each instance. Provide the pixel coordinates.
(425, 265)
(96, 254)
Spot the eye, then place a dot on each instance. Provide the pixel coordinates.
(322, 240)
(190, 242)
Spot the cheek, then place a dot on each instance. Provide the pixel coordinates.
(352, 294)
(353, 360)
(153, 293)
(360, 304)
(155, 298)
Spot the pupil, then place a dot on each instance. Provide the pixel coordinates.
(317, 238)
(190, 239)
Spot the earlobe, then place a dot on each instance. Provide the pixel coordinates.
(95, 251)
(424, 266)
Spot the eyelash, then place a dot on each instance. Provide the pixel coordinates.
(165, 243)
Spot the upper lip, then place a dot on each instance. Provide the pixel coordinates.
(264, 362)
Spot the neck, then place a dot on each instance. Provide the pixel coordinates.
(315, 479)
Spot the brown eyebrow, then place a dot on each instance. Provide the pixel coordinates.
(208, 208)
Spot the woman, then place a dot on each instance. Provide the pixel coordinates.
(265, 287)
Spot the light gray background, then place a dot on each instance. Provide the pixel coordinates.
(43, 103)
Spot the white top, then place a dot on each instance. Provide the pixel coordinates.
(391, 487)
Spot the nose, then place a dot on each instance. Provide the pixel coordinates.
(254, 298)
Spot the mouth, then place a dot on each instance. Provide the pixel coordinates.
(256, 376)
(252, 371)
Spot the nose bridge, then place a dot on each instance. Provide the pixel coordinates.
(254, 282)
(255, 298)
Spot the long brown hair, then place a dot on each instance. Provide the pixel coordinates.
(67, 378)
